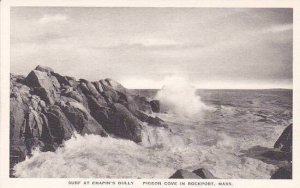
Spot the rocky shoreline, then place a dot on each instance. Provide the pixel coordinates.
(46, 109)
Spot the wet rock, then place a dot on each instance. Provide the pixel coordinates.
(184, 174)
(17, 144)
(155, 106)
(124, 124)
(152, 121)
(283, 173)
(46, 108)
(142, 103)
(204, 173)
(284, 142)
(83, 122)
(60, 127)
(268, 155)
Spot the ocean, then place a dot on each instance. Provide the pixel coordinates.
(207, 128)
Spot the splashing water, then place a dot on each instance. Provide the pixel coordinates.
(214, 142)
(178, 96)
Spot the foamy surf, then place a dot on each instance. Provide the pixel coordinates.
(212, 139)
(159, 155)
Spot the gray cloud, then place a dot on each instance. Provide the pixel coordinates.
(207, 45)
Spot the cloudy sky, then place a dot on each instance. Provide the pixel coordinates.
(139, 47)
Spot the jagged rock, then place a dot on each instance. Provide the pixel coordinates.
(88, 88)
(142, 103)
(60, 127)
(64, 80)
(95, 102)
(69, 91)
(184, 174)
(44, 85)
(98, 86)
(17, 146)
(124, 124)
(46, 108)
(284, 142)
(283, 173)
(204, 173)
(152, 121)
(155, 106)
(116, 86)
(268, 155)
(83, 122)
(111, 96)
(44, 69)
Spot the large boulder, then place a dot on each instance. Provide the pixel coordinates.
(44, 69)
(184, 174)
(284, 172)
(115, 86)
(44, 85)
(59, 126)
(284, 142)
(81, 119)
(204, 173)
(46, 108)
(155, 106)
(70, 92)
(124, 124)
(152, 121)
(18, 149)
(142, 103)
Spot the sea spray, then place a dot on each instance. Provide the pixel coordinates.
(93, 156)
(178, 96)
(214, 141)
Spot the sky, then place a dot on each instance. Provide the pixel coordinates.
(139, 47)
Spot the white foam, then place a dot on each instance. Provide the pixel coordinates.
(159, 155)
(178, 96)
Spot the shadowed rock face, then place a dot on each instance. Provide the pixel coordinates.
(46, 109)
(284, 142)
(284, 172)
(184, 174)
(200, 173)
(204, 173)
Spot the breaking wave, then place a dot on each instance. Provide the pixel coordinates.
(213, 141)
(178, 96)
(159, 155)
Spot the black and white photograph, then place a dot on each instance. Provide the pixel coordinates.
(151, 92)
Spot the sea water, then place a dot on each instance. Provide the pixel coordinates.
(212, 135)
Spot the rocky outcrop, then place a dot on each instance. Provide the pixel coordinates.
(280, 155)
(200, 173)
(155, 105)
(204, 173)
(284, 172)
(46, 109)
(184, 174)
(284, 142)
